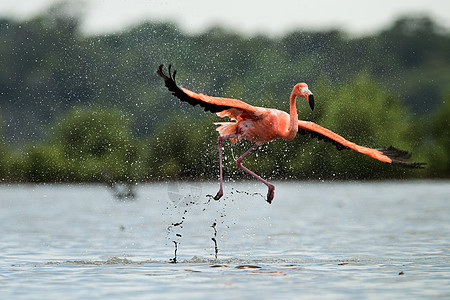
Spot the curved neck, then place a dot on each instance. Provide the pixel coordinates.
(293, 124)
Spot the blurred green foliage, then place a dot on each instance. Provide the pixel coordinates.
(84, 145)
(93, 144)
(79, 108)
(439, 140)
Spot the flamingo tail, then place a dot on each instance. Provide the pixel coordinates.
(228, 129)
(388, 154)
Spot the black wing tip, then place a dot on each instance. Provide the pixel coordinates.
(400, 158)
(160, 71)
(170, 83)
(170, 76)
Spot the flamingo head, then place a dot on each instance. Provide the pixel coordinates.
(302, 90)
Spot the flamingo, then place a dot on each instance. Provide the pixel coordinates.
(261, 125)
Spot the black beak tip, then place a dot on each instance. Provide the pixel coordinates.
(311, 101)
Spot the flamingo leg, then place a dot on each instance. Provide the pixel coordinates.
(270, 193)
(219, 142)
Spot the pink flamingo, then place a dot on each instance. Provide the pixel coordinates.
(261, 125)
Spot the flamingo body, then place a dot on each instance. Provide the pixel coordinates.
(264, 126)
(261, 125)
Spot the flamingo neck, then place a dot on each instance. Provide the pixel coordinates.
(293, 124)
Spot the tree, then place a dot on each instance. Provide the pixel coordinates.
(97, 144)
(362, 112)
(3, 154)
(439, 150)
(182, 148)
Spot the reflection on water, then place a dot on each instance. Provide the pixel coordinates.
(123, 191)
(317, 240)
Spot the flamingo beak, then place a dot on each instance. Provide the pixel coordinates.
(311, 101)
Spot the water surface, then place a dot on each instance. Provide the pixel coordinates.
(316, 241)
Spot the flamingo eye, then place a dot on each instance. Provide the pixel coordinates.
(303, 90)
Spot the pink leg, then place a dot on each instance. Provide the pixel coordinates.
(270, 193)
(219, 141)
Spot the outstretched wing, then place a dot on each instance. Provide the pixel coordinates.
(212, 104)
(387, 154)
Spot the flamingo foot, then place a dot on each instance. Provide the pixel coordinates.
(218, 195)
(270, 194)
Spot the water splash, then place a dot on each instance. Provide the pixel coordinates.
(216, 249)
(174, 259)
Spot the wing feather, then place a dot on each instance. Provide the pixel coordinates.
(209, 103)
(387, 154)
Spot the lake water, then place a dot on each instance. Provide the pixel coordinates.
(324, 240)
